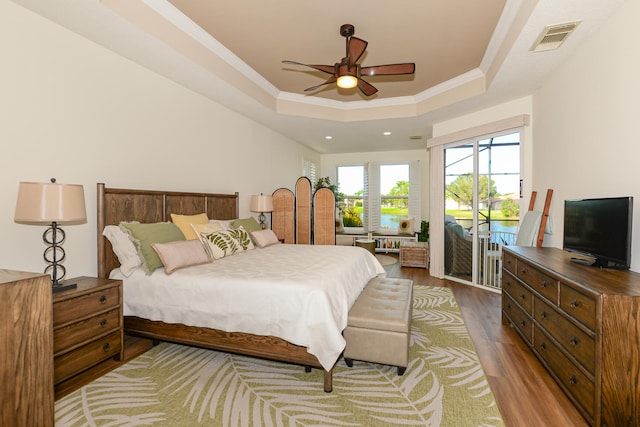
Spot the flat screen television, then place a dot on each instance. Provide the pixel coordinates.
(600, 229)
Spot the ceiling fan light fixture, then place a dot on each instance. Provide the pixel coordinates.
(347, 82)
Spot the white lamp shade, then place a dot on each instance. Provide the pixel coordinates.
(261, 203)
(50, 202)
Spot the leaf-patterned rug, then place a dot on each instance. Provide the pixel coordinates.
(175, 385)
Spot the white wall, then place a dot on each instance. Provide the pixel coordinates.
(586, 122)
(330, 162)
(73, 110)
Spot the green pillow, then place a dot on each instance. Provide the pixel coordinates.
(250, 224)
(144, 235)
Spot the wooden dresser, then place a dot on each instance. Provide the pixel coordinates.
(26, 344)
(583, 324)
(87, 327)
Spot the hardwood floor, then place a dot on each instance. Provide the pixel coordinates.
(525, 393)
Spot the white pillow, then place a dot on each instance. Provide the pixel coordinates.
(124, 249)
(224, 223)
(228, 242)
(405, 226)
(264, 238)
(204, 229)
(181, 254)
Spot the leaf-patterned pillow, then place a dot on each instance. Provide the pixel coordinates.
(228, 242)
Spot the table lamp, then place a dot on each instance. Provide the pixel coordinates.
(44, 203)
(262, 204)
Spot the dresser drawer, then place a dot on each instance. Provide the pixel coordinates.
(576, 342)
(509, 262)
(82, 358)
(78, 333)
(579, 306)
(540, 282)
(76, 308)
(518, 292)
(577, 384)
(518, 317)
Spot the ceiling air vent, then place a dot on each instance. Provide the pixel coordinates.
(415, 137)
(553, 36)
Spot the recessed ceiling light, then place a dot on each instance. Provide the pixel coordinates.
(328, 137)
(387, 133)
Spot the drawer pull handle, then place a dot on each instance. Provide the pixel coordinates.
(509, 306)
(574, 303)
(508, 262)
(103, 322)
(106, 346)
(523, 296)
(103, 299)
(543, 284)
(573, 380)
(543, 346)
(543, 315)
(523, 323)
(523, 271)
(574, 341)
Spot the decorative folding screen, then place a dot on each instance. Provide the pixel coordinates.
(303, 211)
(283, 221)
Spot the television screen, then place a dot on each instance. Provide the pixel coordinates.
(601, 229)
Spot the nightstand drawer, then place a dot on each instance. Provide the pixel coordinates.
(74, 309)
(82, 358)
(78, 333)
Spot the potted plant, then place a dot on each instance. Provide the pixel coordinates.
(423, 234)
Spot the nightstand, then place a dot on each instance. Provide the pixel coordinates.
(414, 254)
(87, 327)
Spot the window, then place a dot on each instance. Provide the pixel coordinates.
(394, 193)
(309, 170)
(377, 196)
(351, 183)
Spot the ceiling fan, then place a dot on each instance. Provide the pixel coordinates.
(348, 74)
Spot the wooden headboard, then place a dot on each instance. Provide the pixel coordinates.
(117, 204)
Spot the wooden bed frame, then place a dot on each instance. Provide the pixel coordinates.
(116, 205)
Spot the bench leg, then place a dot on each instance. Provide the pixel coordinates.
(401, 370)
(349, 362)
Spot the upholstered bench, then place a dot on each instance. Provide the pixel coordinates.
(379, 323)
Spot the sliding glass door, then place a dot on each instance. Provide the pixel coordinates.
(482, 192)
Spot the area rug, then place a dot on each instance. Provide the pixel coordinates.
(174, 385)
(386, 259)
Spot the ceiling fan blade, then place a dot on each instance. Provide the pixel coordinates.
(366, 88)
(329, 69)
(331, 79)
(389, 69)
(355, 49)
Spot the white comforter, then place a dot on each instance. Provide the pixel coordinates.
(300, 293)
